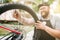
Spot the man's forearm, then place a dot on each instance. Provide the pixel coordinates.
(52, 32)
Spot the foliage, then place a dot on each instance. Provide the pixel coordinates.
(5, 1)
(35, 7)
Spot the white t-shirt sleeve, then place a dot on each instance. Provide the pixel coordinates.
(57, 21)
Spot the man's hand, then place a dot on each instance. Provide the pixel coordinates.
(40, 25)
(16, 14)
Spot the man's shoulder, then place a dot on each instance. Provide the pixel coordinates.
(55, 15)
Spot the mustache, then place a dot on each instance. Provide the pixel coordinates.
(44, 15)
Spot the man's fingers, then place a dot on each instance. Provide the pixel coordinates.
(38, 22)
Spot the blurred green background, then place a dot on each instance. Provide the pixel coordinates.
(55, 5)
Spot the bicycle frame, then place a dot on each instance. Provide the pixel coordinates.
(13, 31)
(15, 34)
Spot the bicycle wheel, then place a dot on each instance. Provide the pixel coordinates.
(18, 6)
(7, 7)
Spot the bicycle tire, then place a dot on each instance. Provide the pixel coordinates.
(7, 7)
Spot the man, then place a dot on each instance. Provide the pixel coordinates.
(47, 28)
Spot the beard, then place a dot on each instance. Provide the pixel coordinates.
(44, 14)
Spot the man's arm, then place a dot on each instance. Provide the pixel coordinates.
(53, 32)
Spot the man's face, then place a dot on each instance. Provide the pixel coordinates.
(44, 11)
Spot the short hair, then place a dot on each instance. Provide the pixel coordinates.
(43, 4)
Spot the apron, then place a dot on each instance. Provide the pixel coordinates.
(41, 34)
